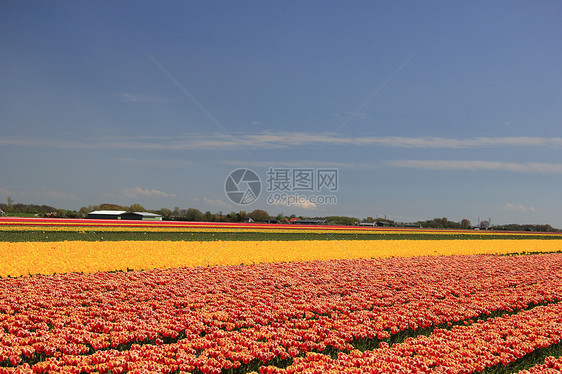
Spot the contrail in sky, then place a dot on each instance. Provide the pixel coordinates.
(196, 102)
(369, 98)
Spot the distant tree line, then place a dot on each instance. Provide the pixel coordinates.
(529, 227)
(444, 223)
(258, 215)
(380, 222)
(26, 208)
(33, 209)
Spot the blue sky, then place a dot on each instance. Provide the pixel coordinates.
(426, 109)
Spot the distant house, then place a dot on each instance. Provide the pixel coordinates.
(121, 214)
(310, 222)
(144, 216)
(272, 220)
(106, 214)
(2, 214)
(412, 225)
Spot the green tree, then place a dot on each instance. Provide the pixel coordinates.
(232, 217)
(136, 208)
(165, 213)
(209, 217)
(193, 214)
(259, 215)
(242, 215)
(10, 205)
(83, 212)
(71, 214)
(110, 207)
(342, 220)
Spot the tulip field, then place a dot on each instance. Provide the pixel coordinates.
(481, 305)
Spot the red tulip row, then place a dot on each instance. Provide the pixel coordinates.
(213, 319)
(461, 349)
(551, 365)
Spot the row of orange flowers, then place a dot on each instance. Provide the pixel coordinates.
(551, 365)
(462, 349)
(219, 318)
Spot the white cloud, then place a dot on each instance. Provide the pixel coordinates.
(519, 208)
(216, 202)
(288, 164)
(305, 205)
(527, 167)
(138, 191)
(280, 140)
(158, 163)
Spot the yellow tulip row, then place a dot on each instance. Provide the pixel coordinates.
(29, 258)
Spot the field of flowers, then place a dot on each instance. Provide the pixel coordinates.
(313, 306)
(449, 314)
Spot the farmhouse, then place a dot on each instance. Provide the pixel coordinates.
(121, 214)
(144, 216)
(106, 214)
(310, 222)
(376, 223)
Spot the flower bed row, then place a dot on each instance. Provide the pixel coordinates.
(29, 258)
(461, 349)
(551, 365)
(244, 317)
